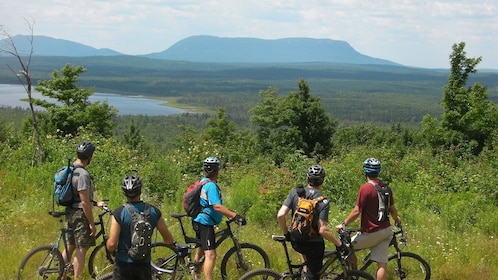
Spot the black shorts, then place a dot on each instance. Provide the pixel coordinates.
(206, 235)
(135, 271)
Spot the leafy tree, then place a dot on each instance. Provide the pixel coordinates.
(133, 138)
(220, 130)
(69, 109)
(293, 122)
(470, 120)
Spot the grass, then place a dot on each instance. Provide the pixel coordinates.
(452, 255)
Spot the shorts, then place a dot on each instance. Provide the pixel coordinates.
(206, 235)
(377, 241)
(80, 235)
(135, 271)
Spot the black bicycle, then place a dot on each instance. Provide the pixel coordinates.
(101, 260)
(295, 270)
(239, 259)
(46, 261)
(401, 264)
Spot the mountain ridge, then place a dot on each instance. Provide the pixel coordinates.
(212, 49)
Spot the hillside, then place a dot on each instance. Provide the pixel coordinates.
(213, 49)
(253, 50)
(48, 46)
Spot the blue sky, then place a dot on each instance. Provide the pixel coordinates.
(411, 32)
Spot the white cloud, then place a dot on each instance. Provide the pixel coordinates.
(411, 32)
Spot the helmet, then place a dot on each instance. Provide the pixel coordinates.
(371, 166)
(131, 186)
(85, 149)
(316, 175)
(211, 164)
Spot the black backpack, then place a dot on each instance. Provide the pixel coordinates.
(191, 199)
(383, 194)
(141, 233)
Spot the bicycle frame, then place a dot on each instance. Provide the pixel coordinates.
(394, 243)
(220, 237)
(62, 235)
(102, 232)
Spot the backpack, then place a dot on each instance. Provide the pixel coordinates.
(383, 195)
(141, 233)
(191, 199)
(63, 188)
(302, 220)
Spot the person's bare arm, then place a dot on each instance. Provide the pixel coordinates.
(223, 210)
(164, 231)
(327, 234)
(87, 206)
(351, 217)
(112, 240)
(282, 218)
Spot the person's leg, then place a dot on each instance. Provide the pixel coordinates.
(79, 262)
(83, 242)
(315, 259)
(208, 245)
(313, 254)
(209, 262)
(380, 252)
(381, 271)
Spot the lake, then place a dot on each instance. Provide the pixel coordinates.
(10, 96)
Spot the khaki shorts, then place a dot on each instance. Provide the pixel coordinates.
(378, 242)
(80, 235)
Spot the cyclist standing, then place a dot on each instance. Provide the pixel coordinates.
(312, 249)
(213, 212)
(374, 234)
(80, 215)
(125, 267)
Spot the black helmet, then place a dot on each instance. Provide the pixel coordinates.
(85, 150)
(131, 186)
(316, 175)
(211, 164)
(371, 166)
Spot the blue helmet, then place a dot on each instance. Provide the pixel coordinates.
(371, 166)
(211, 164)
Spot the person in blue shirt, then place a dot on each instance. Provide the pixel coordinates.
(211, 215)
(126, 268)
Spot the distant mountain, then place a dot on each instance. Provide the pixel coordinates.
(48, 46)
(204, 48)
(211, 49)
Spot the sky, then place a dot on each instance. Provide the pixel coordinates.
(418, 33)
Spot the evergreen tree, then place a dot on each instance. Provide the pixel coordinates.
(69, 109)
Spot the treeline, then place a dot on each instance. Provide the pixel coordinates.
(350, 93)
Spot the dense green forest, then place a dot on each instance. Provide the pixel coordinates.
(441, 167)
(351, 93)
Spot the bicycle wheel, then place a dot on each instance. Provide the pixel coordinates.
(352, 275)
(98, 263)
(43, 262)
(164, 263)
(263, 273)
(409, 266)
(107, 276)
(332, 267)
(253, 257)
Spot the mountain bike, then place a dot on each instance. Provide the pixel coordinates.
(295, 270)
(239, 259)
(401, 264)
(46, 261)
(101, 260)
